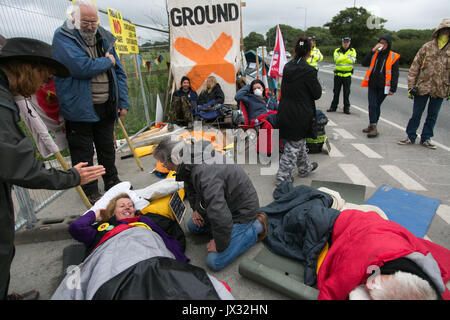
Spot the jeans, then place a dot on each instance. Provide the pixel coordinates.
(418, 107)
(376, 97)
(243, 237)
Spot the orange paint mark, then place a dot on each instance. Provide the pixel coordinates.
(207, 60)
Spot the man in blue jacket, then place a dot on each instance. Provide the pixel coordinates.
(95, 94)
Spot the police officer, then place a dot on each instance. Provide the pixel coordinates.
(344, 57)
(315, 56)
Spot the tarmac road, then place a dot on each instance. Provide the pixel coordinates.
(354, 159)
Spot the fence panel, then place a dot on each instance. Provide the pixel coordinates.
(39, 19)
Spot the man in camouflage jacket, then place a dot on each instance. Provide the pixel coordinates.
(429, 80)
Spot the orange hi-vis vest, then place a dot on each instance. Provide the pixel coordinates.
(391, 59)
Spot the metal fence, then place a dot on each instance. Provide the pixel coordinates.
(39, 19)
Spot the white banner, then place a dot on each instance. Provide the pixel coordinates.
(204, 41)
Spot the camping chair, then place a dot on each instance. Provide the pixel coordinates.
(265, 146)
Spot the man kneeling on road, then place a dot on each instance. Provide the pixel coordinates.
(222, 197)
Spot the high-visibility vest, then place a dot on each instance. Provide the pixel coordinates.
(315, 58)
(344, 62)
(391, 59)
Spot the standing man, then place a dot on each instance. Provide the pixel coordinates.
(315, 56)
(95, 93)
(429, 80)
(344, 57)
(381, 78)
(25, 64)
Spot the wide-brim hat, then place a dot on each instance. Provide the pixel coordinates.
(32, 50)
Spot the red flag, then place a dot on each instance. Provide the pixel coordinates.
(279, 57)
(264, 78)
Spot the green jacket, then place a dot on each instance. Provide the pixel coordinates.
(344, 60)
(315, 58)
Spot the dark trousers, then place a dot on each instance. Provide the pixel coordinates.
(376, 97)
(82, 136)
(434, 106)
(338, 83)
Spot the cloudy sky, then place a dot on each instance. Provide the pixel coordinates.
(39, 18)
(260, 15)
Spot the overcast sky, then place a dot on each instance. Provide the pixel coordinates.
(261, 15)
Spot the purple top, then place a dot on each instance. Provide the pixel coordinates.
(82, 230)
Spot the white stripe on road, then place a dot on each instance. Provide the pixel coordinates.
(369, 153)
(344, 133)
(361, 78)
(335, 153)
(444, 212)
(440, 145)
(355, 175)
(331, 123)
(407, 182)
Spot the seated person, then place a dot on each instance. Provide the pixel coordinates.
(212, 94)
(376, 259)
(222, 197)
(131, 257)
(186, 91)
(257, 102)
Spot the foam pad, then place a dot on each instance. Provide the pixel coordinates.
(412, 211)
(279, 273)
(353, 193)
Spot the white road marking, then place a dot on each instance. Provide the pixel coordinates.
(440, 145)
(369, 153)
(355, 175)
(335, 153)
(344, 133)
(406, 181)
(331, 123)
(361, 78)
(444, 212)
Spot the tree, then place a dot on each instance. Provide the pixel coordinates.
(290, 36)
(253, 40)
(358, 23)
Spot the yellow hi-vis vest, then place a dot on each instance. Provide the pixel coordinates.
(344, 62)
(315, 58)
(391, 59)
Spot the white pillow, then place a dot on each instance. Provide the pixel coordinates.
(123, 187)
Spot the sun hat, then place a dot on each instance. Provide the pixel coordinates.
(32, 50)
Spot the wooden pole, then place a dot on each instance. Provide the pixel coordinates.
(80, 191)
(130, 144)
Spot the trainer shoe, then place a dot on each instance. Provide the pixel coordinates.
(428, 144)
(314, 167)
(405, 141)
(262, 218)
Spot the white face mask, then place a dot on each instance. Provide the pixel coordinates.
(258, 92)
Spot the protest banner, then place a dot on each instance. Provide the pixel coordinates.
(204, 41)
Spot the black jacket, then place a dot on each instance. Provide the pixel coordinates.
(19, 166)
(377, 78)
(297, 109)
(223, 194)
(216, 94)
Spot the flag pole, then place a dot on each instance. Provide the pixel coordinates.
(130, 144)
(80, 191)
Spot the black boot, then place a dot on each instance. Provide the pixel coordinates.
(347, 110)
(331, 109)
